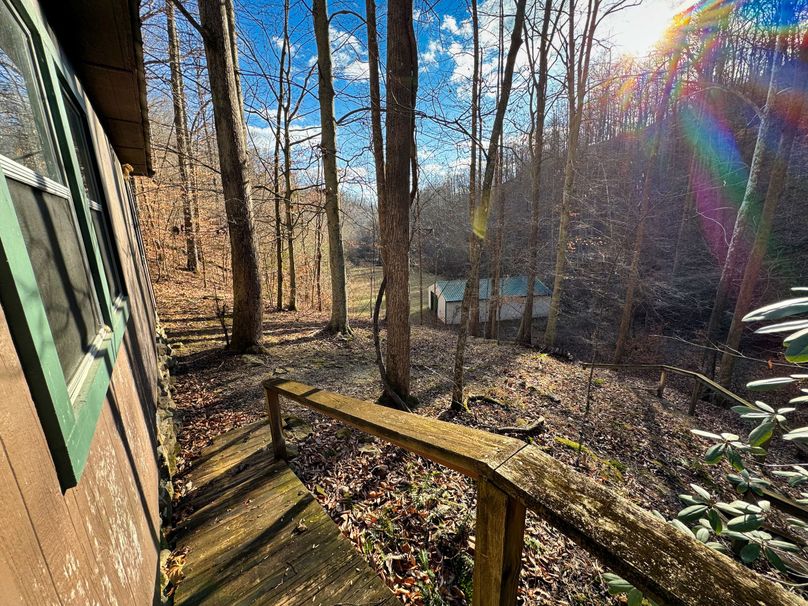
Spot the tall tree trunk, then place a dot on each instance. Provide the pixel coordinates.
(492, 321)
(328, 144)
(492, 324)
(318, 259)
(377, 138)
(276, 176)
(525, 335)
(475, 165)
(287, 164)
(233, 160)
(394, 213)
(645, 207)
(183, 142)
(777, 181)
(741, 233)
(577, 84)
(687, 209)
(479, 224)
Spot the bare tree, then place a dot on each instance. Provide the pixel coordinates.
(539, 83)
(794, 107)
(336, 255)
(479, 224)
(744, 220)
(183, 146)
(230, 136)
(394, 213)
(645, 204)
(577, 84)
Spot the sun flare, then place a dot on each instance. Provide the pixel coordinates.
(636, 30)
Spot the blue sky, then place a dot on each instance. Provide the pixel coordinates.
(443, 32)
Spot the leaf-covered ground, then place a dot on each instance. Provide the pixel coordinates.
(414, 520)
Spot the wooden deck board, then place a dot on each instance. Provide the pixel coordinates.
(256, 535)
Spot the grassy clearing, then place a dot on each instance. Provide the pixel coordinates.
(364, 280)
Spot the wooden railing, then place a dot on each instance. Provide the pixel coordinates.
(700, 379)
(667, 565)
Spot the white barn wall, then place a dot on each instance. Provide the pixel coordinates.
(449, 311)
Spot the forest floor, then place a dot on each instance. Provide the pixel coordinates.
(411, 519)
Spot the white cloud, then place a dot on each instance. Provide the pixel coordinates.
(348, 55)
(450, 25)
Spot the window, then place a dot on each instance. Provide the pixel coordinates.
(60, 280)
(97, 204)
(24, 136)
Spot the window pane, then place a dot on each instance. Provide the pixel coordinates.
(24, 134)
(86, 158)
(78, 131)
(107, 254)
(57, 257)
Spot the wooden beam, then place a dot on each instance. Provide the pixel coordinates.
(273, 405)
(663, 379)
(500, 534)
(472, 452)
(669, 566)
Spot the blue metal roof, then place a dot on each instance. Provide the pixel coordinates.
(511, 286)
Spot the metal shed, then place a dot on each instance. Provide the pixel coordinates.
(446, 296)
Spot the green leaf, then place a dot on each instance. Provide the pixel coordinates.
(615, 584)
(798, 400)
(781, 309)
(775, 560)
(763, 406)
(634, 597)
(769, 384)
(761, 433)
(690, 500)
(797, 435)
(716, 546)
(701, 492)
(706, 434)
(692, 513)
(681, 526)
(750, 553)
(702, 534)
(789, 327)
(745, 523)
(737, 536)
(729, 509)
(797, 347)
(715, 521)
(744, 410)
(714, 453)
(784, 545)
(734, 458)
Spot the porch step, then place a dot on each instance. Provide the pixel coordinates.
(256, 535)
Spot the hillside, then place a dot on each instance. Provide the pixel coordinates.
(412, 520)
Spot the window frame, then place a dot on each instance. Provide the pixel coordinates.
(68, 409)
(101, 206)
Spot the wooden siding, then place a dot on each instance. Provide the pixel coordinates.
(96, 543)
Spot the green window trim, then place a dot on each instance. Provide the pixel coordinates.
(68, 416)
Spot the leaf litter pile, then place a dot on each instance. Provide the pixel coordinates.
(413, 520)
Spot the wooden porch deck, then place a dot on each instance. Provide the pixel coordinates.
(256, 535)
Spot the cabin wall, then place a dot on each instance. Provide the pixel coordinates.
(98, 542)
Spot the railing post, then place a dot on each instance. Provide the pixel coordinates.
(694, 398)
(276, 424)
(498, 549)
(663, 378)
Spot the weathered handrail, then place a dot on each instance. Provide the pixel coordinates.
(664, 369)
(669, 566)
